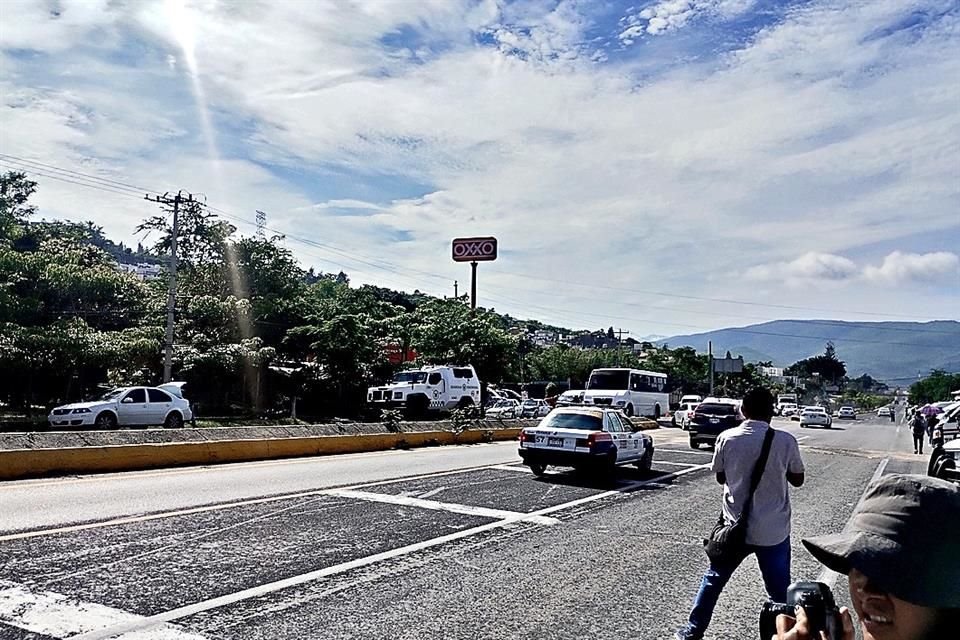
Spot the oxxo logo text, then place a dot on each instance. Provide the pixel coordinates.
(474, 249)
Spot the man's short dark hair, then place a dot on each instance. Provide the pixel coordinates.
(758, 404)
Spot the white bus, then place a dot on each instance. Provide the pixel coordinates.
(635, 391)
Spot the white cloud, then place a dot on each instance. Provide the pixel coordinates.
(906, 268)
(810, 267)
(669, 15)
(813, 139)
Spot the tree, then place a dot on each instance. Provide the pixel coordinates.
(827, 366)
(448, 332)
(15, 192)
(934, 388)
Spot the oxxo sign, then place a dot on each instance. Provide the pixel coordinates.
(474, 249)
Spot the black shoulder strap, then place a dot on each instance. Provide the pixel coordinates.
(758, 471)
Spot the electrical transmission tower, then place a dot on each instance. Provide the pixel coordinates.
(261, 223)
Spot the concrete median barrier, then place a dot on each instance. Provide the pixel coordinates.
(35, 462)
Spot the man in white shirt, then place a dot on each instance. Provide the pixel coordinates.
(768, 528)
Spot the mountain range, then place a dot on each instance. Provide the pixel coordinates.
(895, 352)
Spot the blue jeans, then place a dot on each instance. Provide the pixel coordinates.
(774, 566)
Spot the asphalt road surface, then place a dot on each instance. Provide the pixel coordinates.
(451, 543)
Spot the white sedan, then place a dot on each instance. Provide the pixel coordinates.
(504, 409)
(587, 438)
(815, 417)
(128, 407)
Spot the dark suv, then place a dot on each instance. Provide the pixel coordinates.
(712, 417)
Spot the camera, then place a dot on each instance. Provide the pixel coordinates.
(817, 601)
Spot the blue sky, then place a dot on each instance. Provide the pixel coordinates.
(805, 153)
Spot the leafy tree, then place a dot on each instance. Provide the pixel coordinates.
(15, 192)
(827, 366)
(934, 388)
(449, 332)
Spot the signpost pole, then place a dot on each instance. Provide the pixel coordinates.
(473, 285)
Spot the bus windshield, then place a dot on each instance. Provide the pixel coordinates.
(608, 380)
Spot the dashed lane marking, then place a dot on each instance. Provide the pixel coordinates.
(829, 576)
(272, 587)
(420, 503)
(55, 615)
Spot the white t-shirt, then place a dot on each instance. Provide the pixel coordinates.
(736, 453)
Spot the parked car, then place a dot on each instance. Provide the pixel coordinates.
(570, 398)
(586, 438)
(815, 417)
(128, 407)
(534, 409)
(945, 461)
(681, 417)
(504, 409)
(847, 413)
(712, 417)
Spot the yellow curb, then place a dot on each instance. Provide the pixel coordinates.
(26, 463)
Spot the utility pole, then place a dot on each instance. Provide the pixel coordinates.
(710, 356)
(175, 201)
(620, 333)
(456, 290)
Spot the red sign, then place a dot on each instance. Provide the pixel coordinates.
(474, 249)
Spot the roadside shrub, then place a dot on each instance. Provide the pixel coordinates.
(392, 419)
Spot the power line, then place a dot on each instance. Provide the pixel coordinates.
(379, 264)
(27, 161)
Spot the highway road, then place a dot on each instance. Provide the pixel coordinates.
(447, 543)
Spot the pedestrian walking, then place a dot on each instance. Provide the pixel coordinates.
(754, 463)
(919, 427)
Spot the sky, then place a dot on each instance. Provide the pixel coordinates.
(638, 161)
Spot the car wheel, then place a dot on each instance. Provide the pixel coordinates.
(174, 420)
(646, 462)
(694, 444)
(629, 411)
(105, 421)
(538, 468)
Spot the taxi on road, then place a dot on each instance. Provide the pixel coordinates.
(585, 438)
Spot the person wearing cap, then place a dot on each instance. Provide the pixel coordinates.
(902, 559)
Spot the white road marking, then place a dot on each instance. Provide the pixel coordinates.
(829, 576)
(272, 587)
(696, 451)
(217, 507)
(464, 509)
(433, 492)
(53, 614)
(802, 438)
(675, 464)
(507, 467)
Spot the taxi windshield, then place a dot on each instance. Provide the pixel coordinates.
(582, 421)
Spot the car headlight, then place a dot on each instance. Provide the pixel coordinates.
(620, 403)
(81, 410)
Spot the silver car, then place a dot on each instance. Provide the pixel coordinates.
(127, 407)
